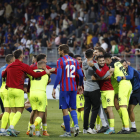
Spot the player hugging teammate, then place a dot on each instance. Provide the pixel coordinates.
(107, 82)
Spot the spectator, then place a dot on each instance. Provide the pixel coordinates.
(94, 40)
(136, 36)
(45, 42)
(33, 21)
(8, 10)
(63, 39)
(2, 51)
(127, 51)
(30, 10)
(31, 48)
(132, 50)
(89, 38)
(104, 45)
(24, 40)
(7, 50)
(103, 27)
(26, 53)
(65, 23)
(57, 40)
(92, 15)
(121, 48)
(53, 14)
(114, 49)
(70, 43)
(71, 27)
(86, 17)
(111, 21)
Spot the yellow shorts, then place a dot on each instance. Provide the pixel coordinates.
(107, 98)
(80, 100)
(5, 98)
(16, 97)
(38, 101)
(125, 89)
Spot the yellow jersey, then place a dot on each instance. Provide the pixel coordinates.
(119, 70)
(38, 83)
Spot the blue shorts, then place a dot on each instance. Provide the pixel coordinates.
(135, 97)
(67, 99)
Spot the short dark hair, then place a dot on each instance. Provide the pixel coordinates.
(123, 60)
(39, 63)
(100, 49)
(34, 56)
(100, 56)
(40, 56)
(77, 56)
(17, 53)
(107, 55)
(89, 53)
(65, 48)
(8, 58)
(71, 54)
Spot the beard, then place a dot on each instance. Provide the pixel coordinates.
(60, 55)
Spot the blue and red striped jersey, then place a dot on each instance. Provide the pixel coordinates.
(68, 67)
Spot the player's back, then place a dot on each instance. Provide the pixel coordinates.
(69, 67)
(38, 83)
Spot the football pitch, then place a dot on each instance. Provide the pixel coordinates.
(54, 127)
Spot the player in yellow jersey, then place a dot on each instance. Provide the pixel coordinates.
(124, 90)
(38, 97)
(4, 96)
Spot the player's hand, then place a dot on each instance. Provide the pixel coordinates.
(53, 94)
(119, 79)
(84, 78)
(80, 90)
(90, 64)
(52, 70)
(93, 78)
(47, 71)
(111, 70)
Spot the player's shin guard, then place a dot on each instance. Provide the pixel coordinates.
(38, 120)
(67, 122)
(120, 114)
(11, 117)
(74, 116)
(16, 118)
(44, 126)
(5, 119)
(29, 109)
(82, 115)
(125, 117)
(111, 124)
(29, 126)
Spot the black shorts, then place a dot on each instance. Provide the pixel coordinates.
(135, 97)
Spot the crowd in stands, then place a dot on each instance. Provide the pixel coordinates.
(30, 25)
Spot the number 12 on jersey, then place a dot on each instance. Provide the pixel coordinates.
(70, 71)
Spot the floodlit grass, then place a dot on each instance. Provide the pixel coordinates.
(55, 119)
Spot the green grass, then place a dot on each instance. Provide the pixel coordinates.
(54, 122)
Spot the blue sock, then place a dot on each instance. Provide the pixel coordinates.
(29, 109)
(67, 122)
(74, 117)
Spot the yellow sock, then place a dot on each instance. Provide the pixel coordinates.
(11, 117)
(29, 126)
(78, 115)
(38, 120)
(5, 119)
(120, 114)
(37, 128)
(111, 123)
(82, 115)
(98, 120)
(44, 126)
(16, 118)
(125, 117)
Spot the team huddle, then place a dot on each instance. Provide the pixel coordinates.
(95, 85)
